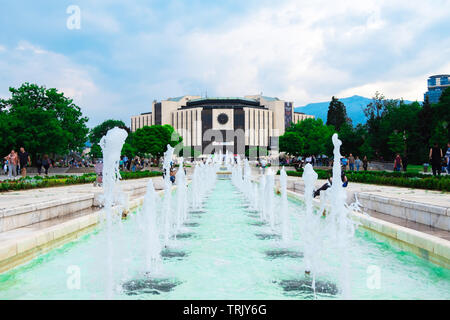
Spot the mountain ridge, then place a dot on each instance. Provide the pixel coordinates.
(354, 106)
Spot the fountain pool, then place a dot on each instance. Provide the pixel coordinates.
(224, 251)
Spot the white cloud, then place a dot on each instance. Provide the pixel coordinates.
(29, 63)
(299, 51)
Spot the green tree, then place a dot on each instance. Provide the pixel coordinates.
(292, 143)
(441, 113)
(154, 139)
(426, 121)
(41, 120)
(337, 114)
(395, 142)
(100, 130)
(256, 152)
(315, 134)
(189, 152)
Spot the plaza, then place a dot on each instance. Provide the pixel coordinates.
(224, 159)
(216, 224)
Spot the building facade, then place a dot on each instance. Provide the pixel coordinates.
(436, 85)
(235, 124)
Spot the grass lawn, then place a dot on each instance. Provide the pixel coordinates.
(415, 168)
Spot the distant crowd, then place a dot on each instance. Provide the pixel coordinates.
(348, 163)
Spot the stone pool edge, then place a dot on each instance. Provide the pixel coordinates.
(14, 253)
(425, 246)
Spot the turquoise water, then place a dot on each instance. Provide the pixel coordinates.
(228, 254)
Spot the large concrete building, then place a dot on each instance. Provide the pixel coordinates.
(227, 123)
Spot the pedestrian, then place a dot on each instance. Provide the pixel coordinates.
(344, 162)
(397, 162)
(172, 175)
(358, 163)
(39, 164)
(351, 162)
(5, 167)
(46, 163)
(98, 167)
(447, 157)
(435, 159)
(263, 166)
(12, 163)
(24, 160)
(365, 163)
(405, 162)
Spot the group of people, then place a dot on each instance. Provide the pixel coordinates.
(133, 164)
(16, 162)
(351, 163)
(440, 162)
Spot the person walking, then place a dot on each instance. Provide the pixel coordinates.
(351, 162)
(24, 159)
(344, 162)
(405, 162)
(46, 163)
(447, 157)
(397, 163)
(39, 165)
(358, 163)
(5, 167)
(435, 159)
(365, 162)
(12, 164)
(263, 166)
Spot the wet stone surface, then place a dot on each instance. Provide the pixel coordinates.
(191, 224)
(149, 286)
(305, 286)
(184, 235)
(197, 211)
(168, 253)
(267, 236)
(283, 253)
(258, 223)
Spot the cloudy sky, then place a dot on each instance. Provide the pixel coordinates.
(128, 53)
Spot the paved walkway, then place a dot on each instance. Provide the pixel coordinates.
(14, 199)
(432, 197)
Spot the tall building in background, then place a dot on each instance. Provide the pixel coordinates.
(436, 85)
(218, 122)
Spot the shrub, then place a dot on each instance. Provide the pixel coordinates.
(427, 182)
(64, 180)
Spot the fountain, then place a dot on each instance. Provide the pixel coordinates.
(167, 206)
(153, 245)
(180, 179)
(268, 208)
(111, 145)
(342, 225)
(311, 226)
(286, 235)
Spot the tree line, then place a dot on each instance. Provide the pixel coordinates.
(392, 126)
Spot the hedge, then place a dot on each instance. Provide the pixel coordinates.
(64, 180)
(441, 183)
